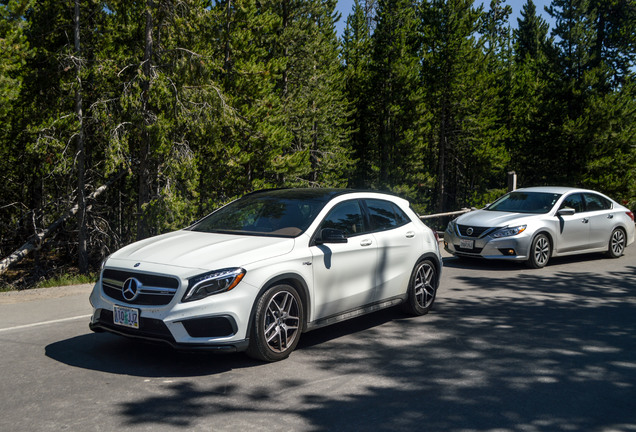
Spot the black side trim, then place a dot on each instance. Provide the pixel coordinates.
(356, 312)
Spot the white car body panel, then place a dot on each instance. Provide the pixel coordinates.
(335, 278)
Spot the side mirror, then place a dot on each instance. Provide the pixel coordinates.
(331, 235)
(566, 211)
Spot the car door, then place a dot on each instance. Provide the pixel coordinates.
(344, 276)
(399, 247)
(574, 230)
(601, 219)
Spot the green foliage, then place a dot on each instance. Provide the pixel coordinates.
(200, 102)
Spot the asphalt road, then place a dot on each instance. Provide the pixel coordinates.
(505, 349)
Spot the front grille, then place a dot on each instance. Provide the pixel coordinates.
(477, 231)
(156, 290)
(472, 251)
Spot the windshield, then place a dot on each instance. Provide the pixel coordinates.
(525, 202)
(272, 214)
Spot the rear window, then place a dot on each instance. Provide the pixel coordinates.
(595, 202)
(385, 215)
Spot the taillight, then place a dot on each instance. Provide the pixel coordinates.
(630, 214)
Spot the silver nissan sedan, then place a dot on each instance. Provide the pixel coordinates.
(534, 224)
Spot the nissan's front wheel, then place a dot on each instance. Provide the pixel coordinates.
(277, 324)
(540, 252)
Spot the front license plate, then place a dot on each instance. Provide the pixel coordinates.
(466, 244)
(126, 317)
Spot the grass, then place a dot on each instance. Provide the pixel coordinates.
(67, 279)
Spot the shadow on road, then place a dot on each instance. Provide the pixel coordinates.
(118, 355)
(528, 352)
(504, 265)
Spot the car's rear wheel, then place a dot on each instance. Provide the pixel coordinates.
(422, 288)
(540, 251)
(616, 243)
(277, 324)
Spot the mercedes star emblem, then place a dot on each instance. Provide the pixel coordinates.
(131, 289)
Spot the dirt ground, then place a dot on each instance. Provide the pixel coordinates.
(12, 297)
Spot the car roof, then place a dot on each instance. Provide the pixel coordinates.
(553, 189)
(323, 194)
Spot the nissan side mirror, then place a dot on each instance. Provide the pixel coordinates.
(566, 211)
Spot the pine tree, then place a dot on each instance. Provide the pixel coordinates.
(596, 54)
(356, 55)
(312, 96)
(466, 139)
(396, 104)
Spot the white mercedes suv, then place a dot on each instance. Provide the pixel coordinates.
(261, 270)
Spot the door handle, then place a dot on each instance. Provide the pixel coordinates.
(410, 234)
(610, 216)
(586, 220)
(366, 242)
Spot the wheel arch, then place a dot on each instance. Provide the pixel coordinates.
(436, 261)
(551, 239)
(292, 279)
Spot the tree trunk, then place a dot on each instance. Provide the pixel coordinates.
(36, 241)
(144, 175)
(81, 154)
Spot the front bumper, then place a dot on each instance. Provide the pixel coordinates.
(217, 323)
(515, 248)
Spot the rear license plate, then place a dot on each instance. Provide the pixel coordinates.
(126, 317)
(466, 244)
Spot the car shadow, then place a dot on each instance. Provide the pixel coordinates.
(504, 265)
(114, 354)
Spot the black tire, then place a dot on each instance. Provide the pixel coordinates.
(277, 324)
(422, 288)
(540, 252)
(617, 242)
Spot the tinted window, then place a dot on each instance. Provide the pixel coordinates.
(574, 201)
(525, 202)
(385, 215)
(595, 202)
(346, 217)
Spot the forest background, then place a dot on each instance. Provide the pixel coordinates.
(124, 119)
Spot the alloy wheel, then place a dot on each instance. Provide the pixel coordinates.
(542, 251)
(281, 321)
(424, 284)
(617, 242)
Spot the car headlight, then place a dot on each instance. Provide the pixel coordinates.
(509, 231)
(451, 227)
(213, 282)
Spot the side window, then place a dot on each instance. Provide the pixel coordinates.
(595, 202)
(347, 217)
(385, 215)
(574, 201)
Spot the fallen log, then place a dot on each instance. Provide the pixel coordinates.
(35, 242)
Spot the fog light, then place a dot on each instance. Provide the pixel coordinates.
(445, 244)
(508, 252)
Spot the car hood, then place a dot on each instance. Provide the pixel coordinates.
(486, 218)
(207, 251)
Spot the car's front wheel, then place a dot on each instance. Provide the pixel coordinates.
(540, 252)
(277, 324)
(616, 243)
(422, 288)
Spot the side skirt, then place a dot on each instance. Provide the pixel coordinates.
(353, 313)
